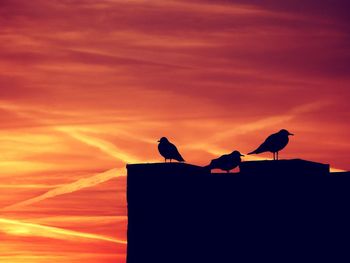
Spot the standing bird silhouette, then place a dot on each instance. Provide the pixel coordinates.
(226, 162)
(169, 150)
(274, 143)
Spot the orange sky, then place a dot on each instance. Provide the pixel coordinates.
(88, 86)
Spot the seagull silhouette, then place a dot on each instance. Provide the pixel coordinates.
(169, 150)
(226, 162)
(274, 143)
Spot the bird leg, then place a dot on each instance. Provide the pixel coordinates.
(277, 155)
(165, 160)
(170, 160)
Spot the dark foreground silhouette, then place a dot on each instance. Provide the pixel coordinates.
(169, 150)
(274, 143)
(226, 162)
(293, 212)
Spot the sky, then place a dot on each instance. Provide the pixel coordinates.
(88, 86)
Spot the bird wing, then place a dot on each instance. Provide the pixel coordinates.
(213, 164)
(218, 162)
(265, 146)
(224, 158)
(174, 153)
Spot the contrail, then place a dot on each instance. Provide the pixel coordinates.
(269, 121)
(19, 228)
(103, 145)
(69, 188)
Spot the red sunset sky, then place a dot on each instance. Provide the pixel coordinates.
(87, 86)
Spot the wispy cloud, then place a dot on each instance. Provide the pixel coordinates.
(70, 188)
(20, 228)
(103, 145)
(272, 121)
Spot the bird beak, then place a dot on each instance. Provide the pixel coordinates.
(291, 134)
(241, 154)
(158, 141)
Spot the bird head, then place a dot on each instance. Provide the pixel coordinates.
(163, 139)
(236, 153)
(285, 132)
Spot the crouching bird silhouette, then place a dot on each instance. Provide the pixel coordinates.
(226, 162)
(169, 150)
(274, 143)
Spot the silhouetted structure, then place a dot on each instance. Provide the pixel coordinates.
(182, 213)
(169, 150)
(226, 162)
(341, 174)
(274, 143)
(296, 167)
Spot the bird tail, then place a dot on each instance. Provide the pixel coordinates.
(260, 149)
(180, 159)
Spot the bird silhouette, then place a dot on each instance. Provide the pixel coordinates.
(169, 150)
(274, 143)
(226, 162)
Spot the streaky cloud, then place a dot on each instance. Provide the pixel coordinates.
(70, 188)
(101, 144)
(20, 228)
(272, 121)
